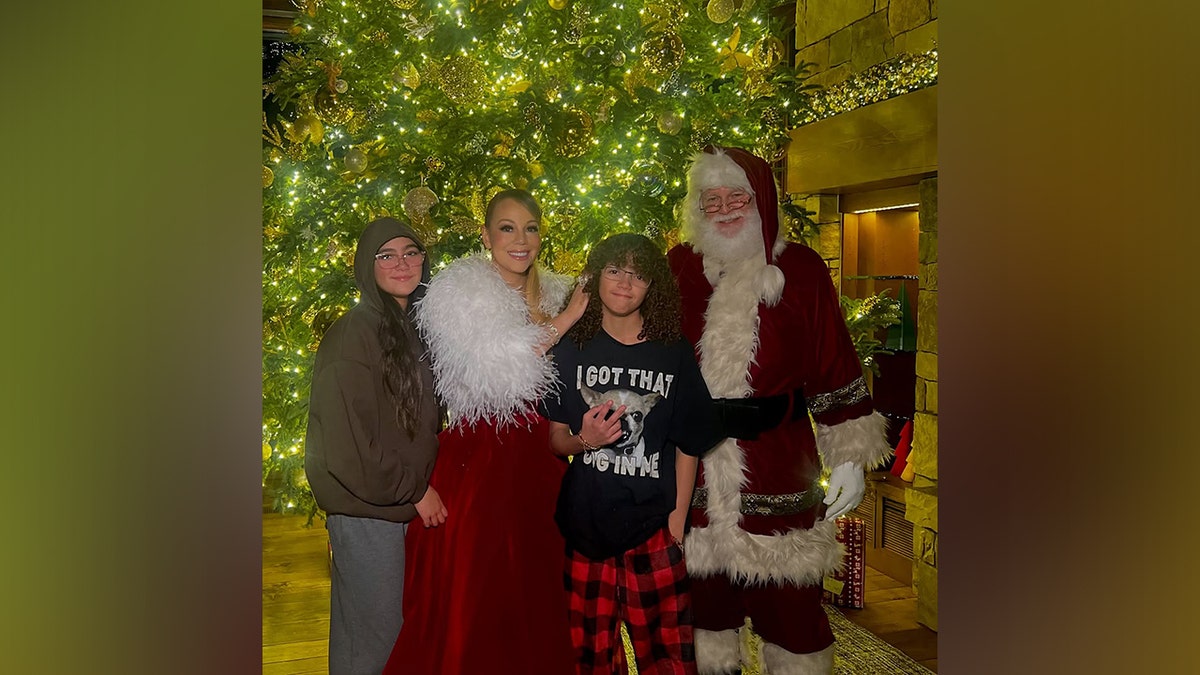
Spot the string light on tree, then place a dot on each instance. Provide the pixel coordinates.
(425, 108)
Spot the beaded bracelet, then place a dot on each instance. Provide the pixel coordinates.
(553, 331)
(586, 445)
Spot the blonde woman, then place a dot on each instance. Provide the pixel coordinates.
(484, 591)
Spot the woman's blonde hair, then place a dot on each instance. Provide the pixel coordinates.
(533, 283)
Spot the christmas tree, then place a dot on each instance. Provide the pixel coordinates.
(425, 108)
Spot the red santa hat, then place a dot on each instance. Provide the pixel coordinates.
(721, 166)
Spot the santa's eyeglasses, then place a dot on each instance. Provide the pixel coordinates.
(714, 203)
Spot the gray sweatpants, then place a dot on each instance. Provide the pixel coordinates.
(365, 610)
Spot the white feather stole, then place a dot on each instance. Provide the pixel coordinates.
(482, 343)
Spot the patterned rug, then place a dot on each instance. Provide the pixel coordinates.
(858, 651)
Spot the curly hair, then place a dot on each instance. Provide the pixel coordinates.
(661, 309)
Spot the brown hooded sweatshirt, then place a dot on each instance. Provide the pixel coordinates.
(359, 460)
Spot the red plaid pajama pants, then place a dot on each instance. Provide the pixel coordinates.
(647, 588)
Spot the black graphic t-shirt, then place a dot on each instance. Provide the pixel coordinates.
(616, 497)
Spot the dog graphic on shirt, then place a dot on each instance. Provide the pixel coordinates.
(637, 407)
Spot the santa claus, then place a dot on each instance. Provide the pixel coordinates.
(773, 348)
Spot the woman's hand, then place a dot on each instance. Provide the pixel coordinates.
(574, 309)
(431, 509)
(598, 431)
(562, 323)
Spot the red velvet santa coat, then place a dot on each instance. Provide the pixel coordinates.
(747, 347)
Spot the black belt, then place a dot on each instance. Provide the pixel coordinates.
(746, 418)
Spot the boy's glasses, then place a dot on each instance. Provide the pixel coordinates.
(616, 274)
(391, 261)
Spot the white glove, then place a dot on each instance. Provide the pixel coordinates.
(847, 484)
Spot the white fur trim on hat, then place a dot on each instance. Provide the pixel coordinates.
(712, 170)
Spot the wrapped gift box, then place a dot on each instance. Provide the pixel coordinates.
(847, 588)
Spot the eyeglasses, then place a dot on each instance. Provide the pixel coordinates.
(713, 203)
(391, 261)
(616, 274)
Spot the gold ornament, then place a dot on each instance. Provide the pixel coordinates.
(334, 110)
(634, 79)
(355, 160)
(575, 135)
(661, 16)
(768, 52)
(417, 203)
(307, 128)
(299, 478)
(663, 53)
(648, 177)
(672, 238)
(268, 176)
(341, 86)
(434, 164)
(403, 4)
(274, 155)
(558, 4)
(533, 117)
(729, 57)
(406, 76)
(478, 205)
(504, 147)
(463, 80)
(670, 122)
(719, 11)
(266, 451)
(426, 115)
(511, 41)
(464, 225)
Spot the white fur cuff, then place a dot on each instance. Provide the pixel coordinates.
(862, 441)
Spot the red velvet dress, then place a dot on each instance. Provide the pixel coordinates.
(484, 591)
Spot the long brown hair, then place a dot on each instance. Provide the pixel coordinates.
(661, 310)
(533, 283)
(398, 338)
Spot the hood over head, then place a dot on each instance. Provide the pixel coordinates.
(377, 233)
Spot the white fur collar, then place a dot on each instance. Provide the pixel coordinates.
(482, 343)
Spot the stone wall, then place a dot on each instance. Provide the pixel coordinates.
(828, 241)
(921, 498)
(845, 37)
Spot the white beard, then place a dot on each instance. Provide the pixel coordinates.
(746, 244)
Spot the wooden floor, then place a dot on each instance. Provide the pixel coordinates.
(890, 612)
(296, 603)
(295, 580)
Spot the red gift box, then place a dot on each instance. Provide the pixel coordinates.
(846, 588)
